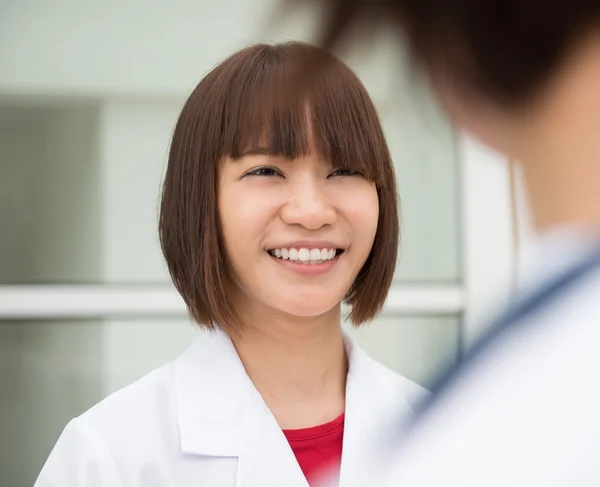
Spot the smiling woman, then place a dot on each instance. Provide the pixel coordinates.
(279, 204)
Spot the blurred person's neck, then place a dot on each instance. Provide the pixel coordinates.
(560, 146)
(298, 365)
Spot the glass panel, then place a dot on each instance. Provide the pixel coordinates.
(51, 371)
(50, 206)
(80, 200)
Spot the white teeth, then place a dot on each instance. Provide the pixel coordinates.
(304, 255)
(315, 254)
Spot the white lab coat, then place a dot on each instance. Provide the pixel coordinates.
(527, 412)
(199, 421)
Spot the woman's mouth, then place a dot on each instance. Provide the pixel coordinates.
(306, 256)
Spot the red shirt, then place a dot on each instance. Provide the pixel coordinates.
(318, 449)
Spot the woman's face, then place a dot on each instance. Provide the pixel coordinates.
(296, 232)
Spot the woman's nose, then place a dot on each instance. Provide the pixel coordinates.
(308, 204)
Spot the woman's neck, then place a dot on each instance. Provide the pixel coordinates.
(298, 365)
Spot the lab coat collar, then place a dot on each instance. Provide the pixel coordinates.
(220, 412)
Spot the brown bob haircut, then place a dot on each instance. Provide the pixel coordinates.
(253, 99)
(505, 50)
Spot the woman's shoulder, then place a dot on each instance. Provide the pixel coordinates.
(137, 414)
(141, 398)
(121, 432)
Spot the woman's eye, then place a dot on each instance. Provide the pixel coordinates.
(263, 171)
(345, 172)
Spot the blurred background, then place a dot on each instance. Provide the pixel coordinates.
(89, 93)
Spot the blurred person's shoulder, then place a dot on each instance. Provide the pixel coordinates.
(523, 412)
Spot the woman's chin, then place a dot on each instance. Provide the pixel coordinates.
(309, 309)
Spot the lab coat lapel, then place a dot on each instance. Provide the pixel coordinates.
(221, 414)
(271, 460)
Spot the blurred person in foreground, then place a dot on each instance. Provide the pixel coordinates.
(523, 76)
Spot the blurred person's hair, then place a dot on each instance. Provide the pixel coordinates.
(503, 50)
(253, 100)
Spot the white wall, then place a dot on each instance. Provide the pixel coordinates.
(137, 47)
